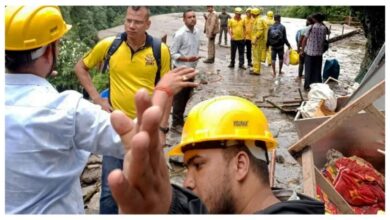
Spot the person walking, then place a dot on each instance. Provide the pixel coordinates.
(223, 25)
(248, 23)
(277, 38)
(313, 48)
(184, 52)
(237, 36)
(211, 28)
(132, 66)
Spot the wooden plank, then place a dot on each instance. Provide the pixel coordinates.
(345, 113)
(376, 116)
(309, 180)
(332, 194)
(272, 168)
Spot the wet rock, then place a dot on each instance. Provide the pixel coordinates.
(92, 206)
(91, 176)
(279, 159)
(95, 159)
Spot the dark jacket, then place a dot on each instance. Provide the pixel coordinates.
(284, 37)
(185, 202)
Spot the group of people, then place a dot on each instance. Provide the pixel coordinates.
(50, 134)
(262, 37)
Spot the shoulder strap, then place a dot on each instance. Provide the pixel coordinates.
(156, 47)
(114, 46)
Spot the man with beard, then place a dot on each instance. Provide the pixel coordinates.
(225, 142)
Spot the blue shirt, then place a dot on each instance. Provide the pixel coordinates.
(185, 43)
(48, 139)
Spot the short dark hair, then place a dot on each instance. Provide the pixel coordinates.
(136, 8)
(15, 60)
(318, 17)
(186, 11)
(259, 167)
(309, 20)
(277, 17)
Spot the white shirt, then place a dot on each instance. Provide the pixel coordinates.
(48, 137)
(185, 43)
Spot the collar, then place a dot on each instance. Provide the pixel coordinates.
(26, 79)
(188, 30)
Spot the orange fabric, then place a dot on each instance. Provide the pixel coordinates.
(358, 182)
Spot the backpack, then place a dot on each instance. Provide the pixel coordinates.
(275, 36)
(156, 47)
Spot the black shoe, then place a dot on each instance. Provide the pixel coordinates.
(209, 61)
(242, 67)
(231, 66)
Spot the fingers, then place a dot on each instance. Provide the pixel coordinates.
(123, 127)
(142, 102)
(121, 190)
(140, 170)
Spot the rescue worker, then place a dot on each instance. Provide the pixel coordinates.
(266, 55)
(225, 142)
(237, 36)
(258, 40)
(248, 22)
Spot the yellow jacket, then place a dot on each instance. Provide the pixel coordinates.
(259, 29)
(248, 22)
(236, 28)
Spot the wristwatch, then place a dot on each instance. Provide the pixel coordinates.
(164, 130)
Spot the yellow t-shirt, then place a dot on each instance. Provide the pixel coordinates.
(248, 22)
(129, 71)
(237, 27)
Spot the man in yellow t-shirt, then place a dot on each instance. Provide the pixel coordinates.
(248, 22)
(237, 35)
(132, 67)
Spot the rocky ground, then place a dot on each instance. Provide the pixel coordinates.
(224, 81)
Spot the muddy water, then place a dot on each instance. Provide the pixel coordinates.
(224, 81)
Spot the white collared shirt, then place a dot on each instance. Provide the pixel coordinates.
(185, 43)
(48, 138)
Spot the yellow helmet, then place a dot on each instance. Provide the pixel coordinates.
(30, 27)
(224, 118)
(248, 10)
(238, 10)
(255, 11)
(270, 14)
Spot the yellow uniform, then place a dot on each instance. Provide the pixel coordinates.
(258, 41)
(129, 71)
(267, 53)
(237, 29)
(248, 23)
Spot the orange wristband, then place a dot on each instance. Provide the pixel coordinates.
(167, 90)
